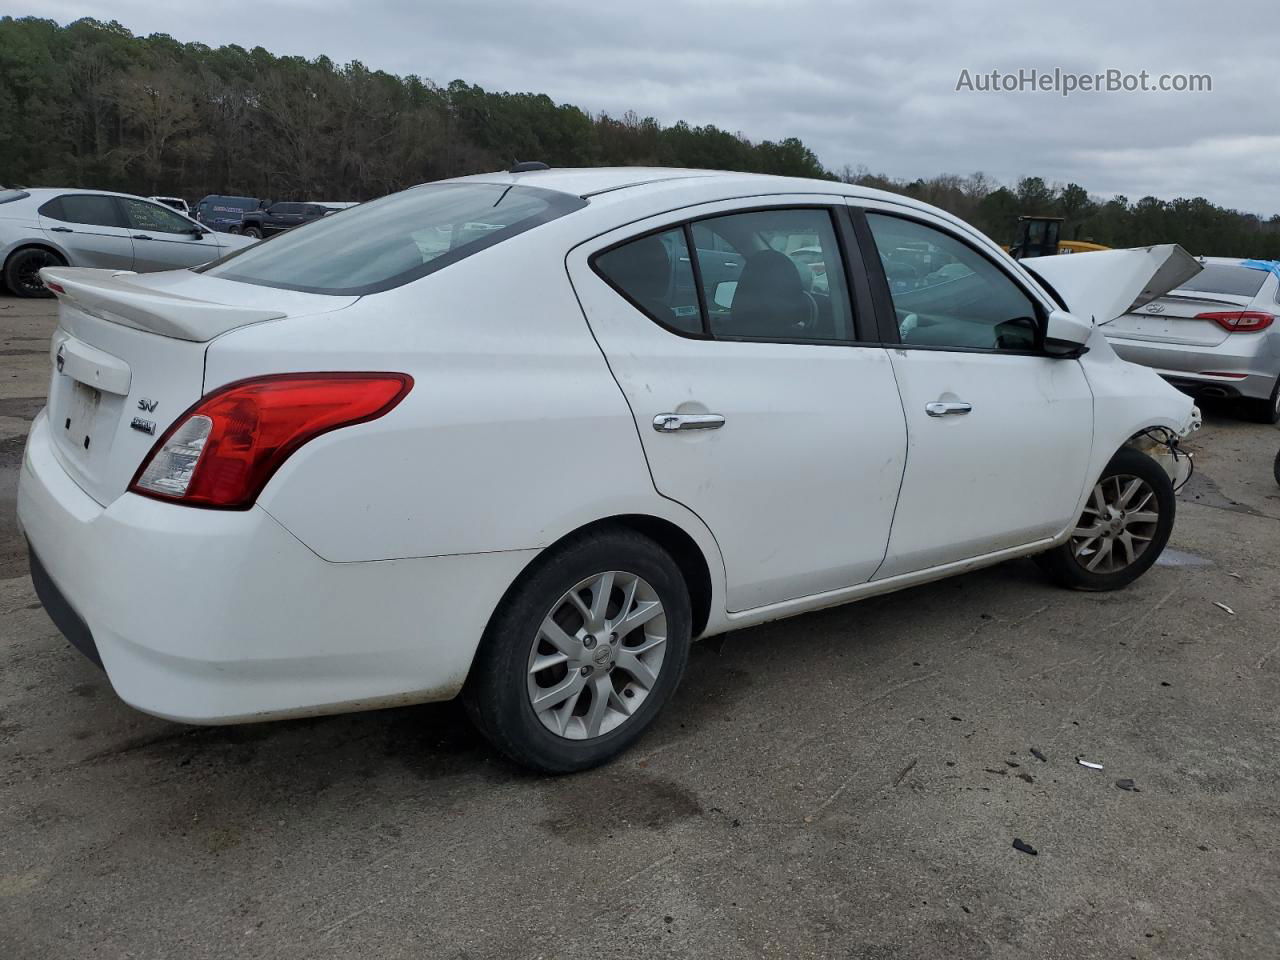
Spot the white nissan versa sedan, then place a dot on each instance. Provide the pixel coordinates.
(523, 436)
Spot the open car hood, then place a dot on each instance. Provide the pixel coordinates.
(1110, 283)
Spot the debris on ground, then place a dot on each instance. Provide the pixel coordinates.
(1027, 777)
(1012, 764)
(1223, 606)
(1024, 847)
(1039, 756)
(1088, 763)
(902, 774)
(1126, 784)
(996, 770)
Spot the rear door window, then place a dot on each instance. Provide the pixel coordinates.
(90, 209)
(391, 241)
(775, 275)
(782, 276)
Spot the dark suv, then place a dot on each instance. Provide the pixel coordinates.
(278, 217)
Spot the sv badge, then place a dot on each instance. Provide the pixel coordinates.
(148, 405)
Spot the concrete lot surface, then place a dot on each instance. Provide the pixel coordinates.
(845, 784)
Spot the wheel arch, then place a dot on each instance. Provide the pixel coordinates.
(679, 544)
(35, 245)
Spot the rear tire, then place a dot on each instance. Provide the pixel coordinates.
(618, 611)
(22, 271)
(1265, 411)
(1126, 523)
(253, 232)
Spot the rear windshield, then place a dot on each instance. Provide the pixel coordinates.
(388, 242)
(1227, 278)
(8, 196)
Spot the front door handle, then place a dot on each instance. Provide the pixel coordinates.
(671, 422)
(940, 408)
(61, 230)
(140, 236)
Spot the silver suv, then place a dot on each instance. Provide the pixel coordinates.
(46, 227)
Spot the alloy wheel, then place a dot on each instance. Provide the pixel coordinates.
(597, 655)
(29, 267)
(1117, 525)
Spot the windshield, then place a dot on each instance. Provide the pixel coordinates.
(1226, 278)
(388, 242)
(8, 196)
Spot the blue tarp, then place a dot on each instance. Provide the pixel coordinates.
(1271, 266)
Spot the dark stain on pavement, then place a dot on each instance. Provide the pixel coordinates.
(595, 805)
(24, 408)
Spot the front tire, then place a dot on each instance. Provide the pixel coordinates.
(1126, 523)
(583, 653)
(22, 271)
(253, 232)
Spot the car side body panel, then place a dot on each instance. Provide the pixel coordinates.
(507, 442)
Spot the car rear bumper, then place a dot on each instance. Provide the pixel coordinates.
(211, 616)
(1241, 366)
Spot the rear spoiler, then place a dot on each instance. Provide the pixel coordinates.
(109, 295)
(1107, 284)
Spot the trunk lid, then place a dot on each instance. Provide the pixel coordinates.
(128, 359)
(1172, 319)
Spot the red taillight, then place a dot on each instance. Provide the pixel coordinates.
(1239, 321)
(55, 287)
(222, 451)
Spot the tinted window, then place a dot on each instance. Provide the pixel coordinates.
(229, 204)
(655, 274)
(388, 242)
(154, 218)
(774, 275)
(8, 196)
(282, 209)
(87, 208)
(1227, 278)
(947, 294)
(766, 275)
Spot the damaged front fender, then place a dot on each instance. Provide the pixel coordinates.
(1164, 447)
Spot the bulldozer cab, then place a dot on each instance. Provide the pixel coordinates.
(1036, 237)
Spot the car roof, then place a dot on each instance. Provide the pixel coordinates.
(58, 191)
(595, 181)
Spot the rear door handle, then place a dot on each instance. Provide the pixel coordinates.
(941, 409)
(671, 422)
(61, 230)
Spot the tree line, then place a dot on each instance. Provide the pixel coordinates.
(91, 105)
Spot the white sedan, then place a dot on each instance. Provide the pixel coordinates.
(512, 437)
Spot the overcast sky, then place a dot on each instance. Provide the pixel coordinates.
(869, 83)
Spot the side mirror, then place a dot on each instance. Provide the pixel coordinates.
(1066, 334)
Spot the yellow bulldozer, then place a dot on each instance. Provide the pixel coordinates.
(1039, 237)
